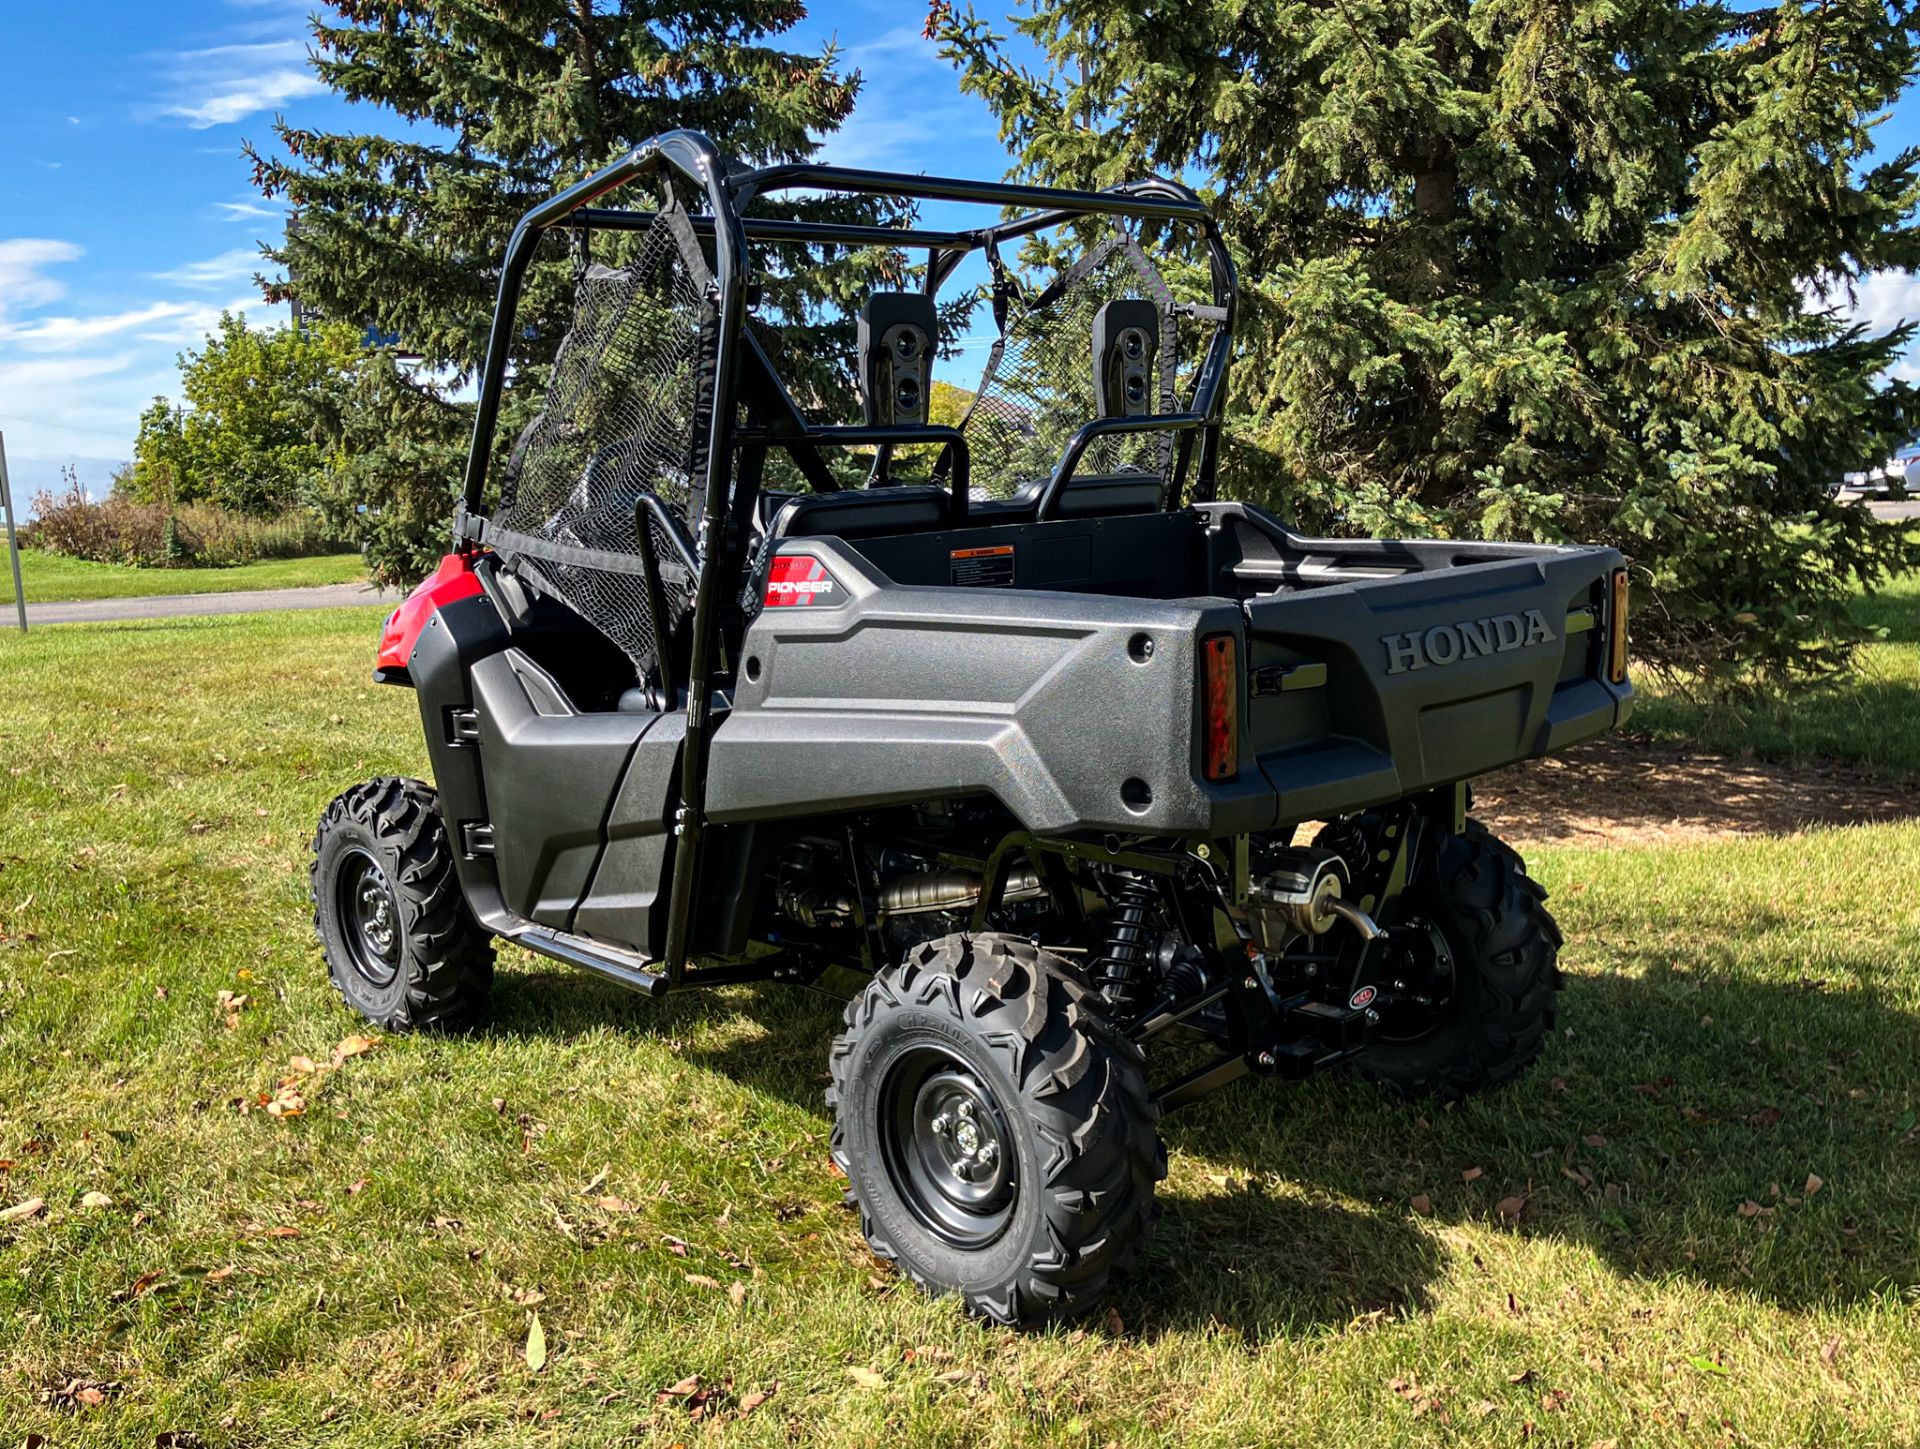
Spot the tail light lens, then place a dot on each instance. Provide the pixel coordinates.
(1617, 635)
(1220, 710)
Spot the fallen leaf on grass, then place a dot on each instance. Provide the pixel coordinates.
(358, 1186)
(1473, 1174)
(613, 1204)
(1422, 1204)
(31, 1208)
(1594, 1139)
(1751, 1209)
(1814, 1183)
(758, 1397)
(701, 1280)
(303, 1065)
(95, 1200)
(737, 1291)
(1765, 1117)
(219, 1275)
(353, 1046)
(283, 1232)
(599, 1178)
(1830, 1350)
(286, 1103)
(866, 1377)
(685, 1388)
(536, 1344)
(1510, 1208)
(1525, 1376)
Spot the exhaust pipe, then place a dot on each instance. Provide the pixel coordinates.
(950, 890)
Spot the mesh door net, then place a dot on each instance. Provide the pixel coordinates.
(624, 415)
(1038, 388)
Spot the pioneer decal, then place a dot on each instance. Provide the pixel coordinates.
(1469, 639)
(795, 581)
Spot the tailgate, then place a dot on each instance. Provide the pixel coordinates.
(1368, 690)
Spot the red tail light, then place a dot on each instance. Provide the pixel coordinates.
(1220, 709)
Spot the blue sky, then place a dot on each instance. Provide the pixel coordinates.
(127, 222)
(126, 217)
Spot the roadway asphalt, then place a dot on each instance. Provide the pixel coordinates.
(181, 606)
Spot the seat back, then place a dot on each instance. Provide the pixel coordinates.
(865, 513)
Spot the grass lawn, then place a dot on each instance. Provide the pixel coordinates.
(1719, 1160)
(51, 578)
(1871, 717)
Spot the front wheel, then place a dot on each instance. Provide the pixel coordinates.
(401, 946)
(1476, 1001)
(996, 1131)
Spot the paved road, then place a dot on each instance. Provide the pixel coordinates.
(178, 606)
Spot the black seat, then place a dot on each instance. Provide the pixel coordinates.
(862, 513)
(1098, 495)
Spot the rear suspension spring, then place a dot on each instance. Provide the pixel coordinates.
(1122, 970)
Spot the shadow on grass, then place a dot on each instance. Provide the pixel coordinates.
(1654, 1136)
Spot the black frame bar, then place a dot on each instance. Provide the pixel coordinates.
(690, 159)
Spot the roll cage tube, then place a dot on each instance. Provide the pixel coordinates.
(728, 193)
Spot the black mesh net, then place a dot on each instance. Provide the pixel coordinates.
(1038, 387)
(624, 415)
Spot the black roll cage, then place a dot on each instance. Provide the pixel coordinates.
(728, 190)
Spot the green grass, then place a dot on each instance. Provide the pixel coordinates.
(1739, 1016)
(51, 578)
(1870, 717)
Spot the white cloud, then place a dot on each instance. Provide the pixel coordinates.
(247, 211)
(237, 265)
(230, 82)
(1883, 300)
(23, 264)
(175, 323)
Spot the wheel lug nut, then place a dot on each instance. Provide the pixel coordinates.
(940, 1124)
(989, 1151)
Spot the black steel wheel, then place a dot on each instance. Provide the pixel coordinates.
(995, 1129)
(370, 912)
(1476, 974)
(948, 1147)
(400, 944)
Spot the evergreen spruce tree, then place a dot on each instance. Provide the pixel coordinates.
(1562, 270)
(491, 106)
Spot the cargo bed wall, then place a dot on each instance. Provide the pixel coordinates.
(1377, 668)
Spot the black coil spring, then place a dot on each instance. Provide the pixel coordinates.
(1125, 961)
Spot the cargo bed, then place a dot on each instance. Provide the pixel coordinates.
(1057, 668)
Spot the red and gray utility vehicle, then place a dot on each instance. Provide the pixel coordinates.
(1008, 714)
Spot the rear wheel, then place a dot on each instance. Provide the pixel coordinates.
(1479, 969)
(401, 946)
(996, 1131)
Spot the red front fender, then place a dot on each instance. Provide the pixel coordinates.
(453, 581)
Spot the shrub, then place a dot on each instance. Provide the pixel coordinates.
(122, 530)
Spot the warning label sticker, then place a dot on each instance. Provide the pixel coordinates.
(984, 568)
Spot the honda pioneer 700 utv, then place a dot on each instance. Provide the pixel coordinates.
(1014, 718)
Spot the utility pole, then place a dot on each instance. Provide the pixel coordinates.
(13, 537)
